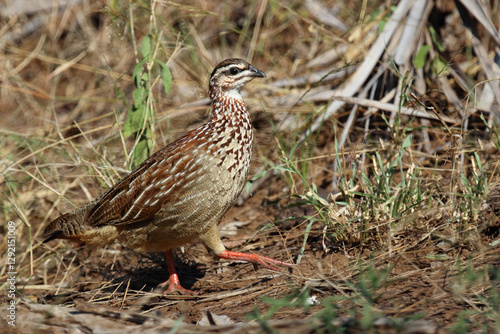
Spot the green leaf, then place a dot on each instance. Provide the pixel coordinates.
(466, 182)
(407, 142)
(380, 163)
(134, 120)
(146, 46)
(166, 76)
(248, 186)
(438, 257)
(294, 148)
(478, 161)
(419, 60)
(256, 177)
(139, 95)
(438, 66)
(287, 169)
(142, 151)
(304, 243)
(137, 72)
(434, 39)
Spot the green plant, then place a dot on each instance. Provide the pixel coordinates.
(329, 312)
(493, 132)
(297, 299)
(474, 190)
(438, 65)
(480, 290)
(369, 281)
(364, 296)
(140, 119)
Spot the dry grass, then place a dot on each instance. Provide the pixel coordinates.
(392, 212)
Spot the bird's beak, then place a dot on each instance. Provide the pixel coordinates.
(256, 73)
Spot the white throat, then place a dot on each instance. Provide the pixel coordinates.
(234, 94)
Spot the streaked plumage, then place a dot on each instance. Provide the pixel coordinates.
(180, 193)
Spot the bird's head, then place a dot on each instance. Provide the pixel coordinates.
(229, 76)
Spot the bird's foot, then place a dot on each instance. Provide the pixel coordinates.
(175, 286)
(255, 258)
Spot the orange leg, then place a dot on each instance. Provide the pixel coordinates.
(173, 281)
(254, 258)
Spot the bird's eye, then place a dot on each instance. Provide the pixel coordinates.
(234, 70)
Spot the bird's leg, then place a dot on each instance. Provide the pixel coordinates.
(254, 258)
(173, 282)
(212, 241)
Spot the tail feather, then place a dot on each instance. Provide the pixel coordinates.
(49, 236)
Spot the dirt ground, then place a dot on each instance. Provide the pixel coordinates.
(126, 280)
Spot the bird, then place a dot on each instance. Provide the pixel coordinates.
(179, 194)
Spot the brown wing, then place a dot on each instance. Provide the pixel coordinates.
(153, 184)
